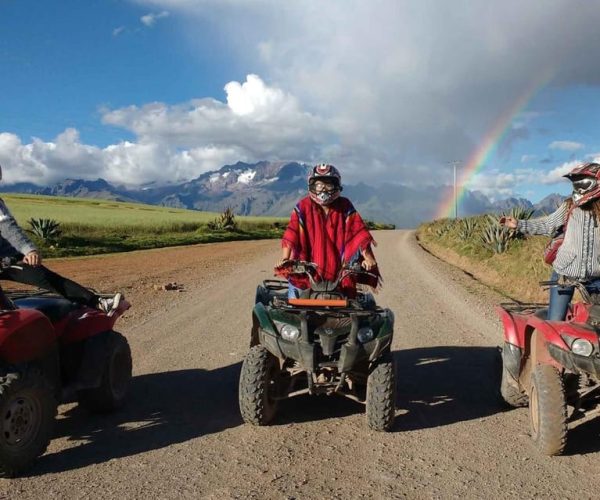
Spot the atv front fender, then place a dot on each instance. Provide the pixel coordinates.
(264, 319)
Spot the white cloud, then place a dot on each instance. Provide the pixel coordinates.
(406, 82)
(117, 31)
(556, 174)
(566, 145)
(150, 19)
(177, 143)
(385, 89)
(258, 121)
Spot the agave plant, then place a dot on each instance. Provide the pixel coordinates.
(46, 229)
(225, 222)
(467, 228)
(520, 213)
(496, 238)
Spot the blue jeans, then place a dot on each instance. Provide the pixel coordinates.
(294, 292)
(560, 297)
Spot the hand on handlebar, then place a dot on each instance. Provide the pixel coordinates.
(33, 258)
(368, 263)
(281, 263)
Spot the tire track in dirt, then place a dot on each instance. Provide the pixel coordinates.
(182, 436)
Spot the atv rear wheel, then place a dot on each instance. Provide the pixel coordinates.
(116, 378)
(511, 394)
(27, 411)
(548, 410)
(381, 394)
(257, 386)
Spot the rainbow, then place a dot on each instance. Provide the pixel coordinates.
(479, 157)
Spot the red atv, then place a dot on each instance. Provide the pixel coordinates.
(552, 365)
(53, 350)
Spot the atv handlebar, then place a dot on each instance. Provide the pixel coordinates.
(568, 282)
(302, 267)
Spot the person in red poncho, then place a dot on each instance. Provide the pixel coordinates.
(326, 229)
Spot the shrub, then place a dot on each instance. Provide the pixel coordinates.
(467, 228)
(495, 237)
(48, 230)
(225, 222)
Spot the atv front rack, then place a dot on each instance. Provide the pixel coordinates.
(523, 306)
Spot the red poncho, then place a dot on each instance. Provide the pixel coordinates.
(329, 240)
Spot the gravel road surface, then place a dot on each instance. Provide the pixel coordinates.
(181, 435)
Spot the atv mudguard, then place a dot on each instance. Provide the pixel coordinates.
(25, 335)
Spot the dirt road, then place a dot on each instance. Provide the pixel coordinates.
(181, 435)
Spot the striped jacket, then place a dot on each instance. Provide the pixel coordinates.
(579, 255)
(13, 240)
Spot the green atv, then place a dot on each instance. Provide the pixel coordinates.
(320, 342)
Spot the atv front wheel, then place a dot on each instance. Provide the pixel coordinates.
(511, 394)
(256, 388)
(27, 410)
(381, 394)
(116, 377)
(548, 410)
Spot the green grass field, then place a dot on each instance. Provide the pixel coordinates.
(108, 213)
(91, 226)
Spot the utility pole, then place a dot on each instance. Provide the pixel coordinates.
(455, 164)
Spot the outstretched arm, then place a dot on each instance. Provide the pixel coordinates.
(541, 225)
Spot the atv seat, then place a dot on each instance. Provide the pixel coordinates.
(54, 308)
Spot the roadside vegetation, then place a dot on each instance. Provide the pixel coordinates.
(501, 258)
(74, 226)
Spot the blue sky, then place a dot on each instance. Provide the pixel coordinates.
(390, 90)
(61, 62)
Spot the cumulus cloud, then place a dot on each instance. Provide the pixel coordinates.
(408, 82)
(179, 142)
(384, 88)
(150, 19)
(566, 145)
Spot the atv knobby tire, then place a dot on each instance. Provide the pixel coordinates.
(256, 386)
(27, 411)
(511, 394)
(381, 394)
(116, 377)
(548, 410)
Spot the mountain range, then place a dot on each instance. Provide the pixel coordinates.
(272, 188)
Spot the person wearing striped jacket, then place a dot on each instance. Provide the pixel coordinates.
(578, 258)
(21, 262)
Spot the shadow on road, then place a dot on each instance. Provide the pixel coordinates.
(438, 386)
(164, 409)
(583, 438)
(314, 408)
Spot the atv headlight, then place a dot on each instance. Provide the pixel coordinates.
(365, 334)
(289, 332)
(582, 347)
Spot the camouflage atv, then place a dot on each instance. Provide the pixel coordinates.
(321, 342)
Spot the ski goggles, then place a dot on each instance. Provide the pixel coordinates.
(320, 187)
(584, 184)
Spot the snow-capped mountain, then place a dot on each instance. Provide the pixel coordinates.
(273, 188)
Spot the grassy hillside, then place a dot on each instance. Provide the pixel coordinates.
(515, 272)
(91, 226)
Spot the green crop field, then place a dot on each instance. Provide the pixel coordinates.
(108, 213)
(91, 226)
